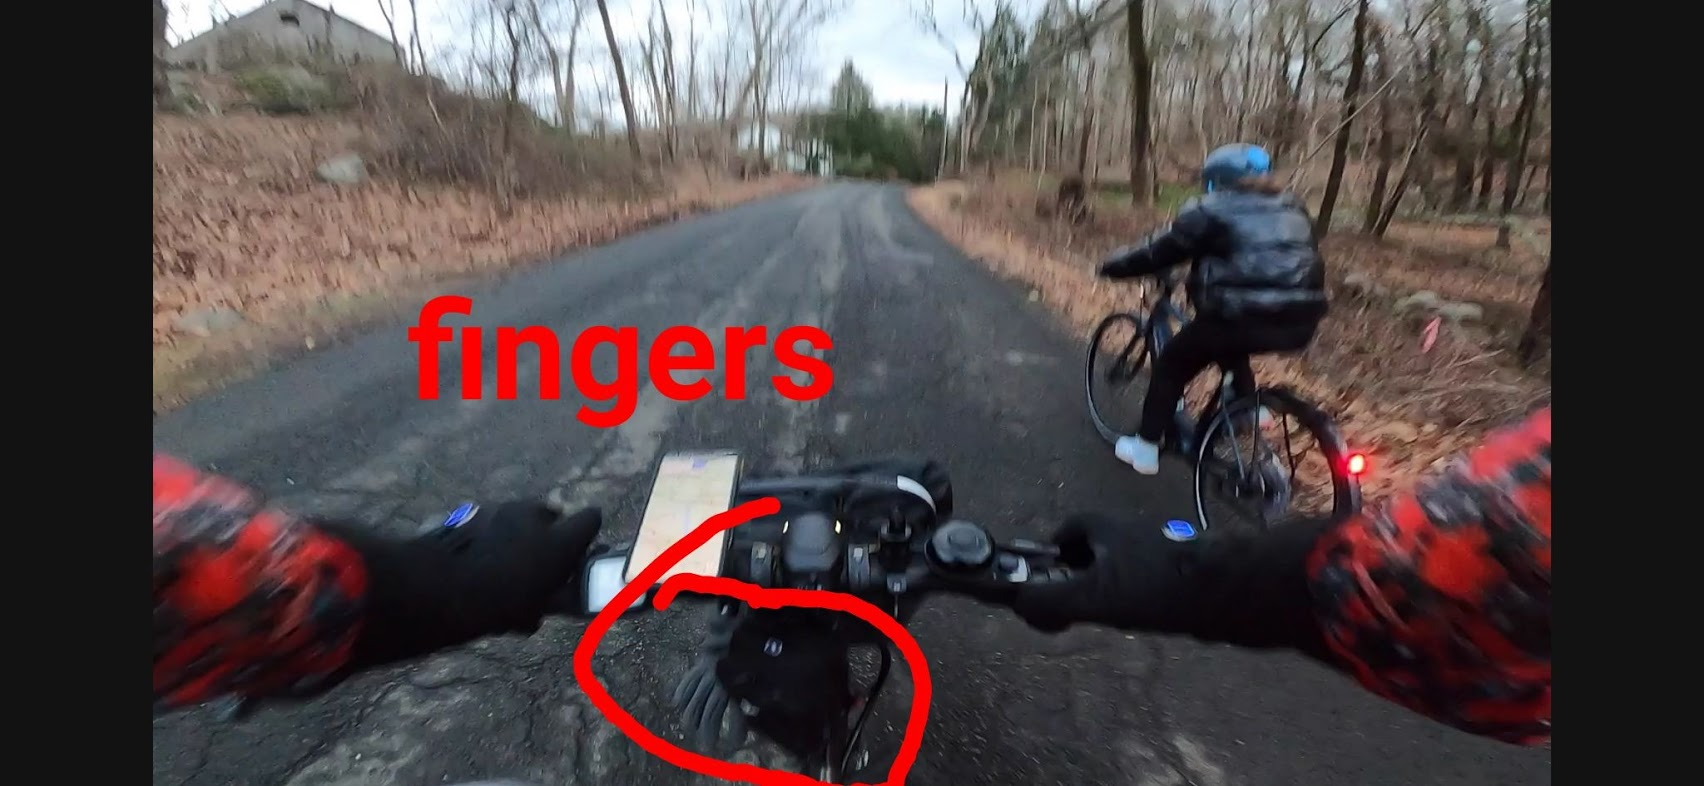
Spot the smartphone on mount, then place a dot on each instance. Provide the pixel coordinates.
(688, 488)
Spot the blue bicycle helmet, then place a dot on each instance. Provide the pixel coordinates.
(1233, 162)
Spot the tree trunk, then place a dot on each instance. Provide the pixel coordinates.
(671, 93)
(1087, 131)
(1247, 98)
(1389, 212)
(552, 57)
(1461, 191)
(941, 167)
(511, 105)
(1488, 164)
(1546, 205)
(568, 106)
(1523, 114)
(1035, 108)
(1141, 106)
(648, 57)
(1422, 161)
(162, 84)
(1340, 149)
(760, 90)
(386, 11)
(1387, 146)
(621, 83)
(1535, 340)
(419, 46)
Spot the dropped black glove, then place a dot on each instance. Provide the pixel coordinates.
(717, 721)
(500, 571)
(790, 662)
(1247, 590)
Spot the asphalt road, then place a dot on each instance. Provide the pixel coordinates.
(931, 355)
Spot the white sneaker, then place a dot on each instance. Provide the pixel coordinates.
(1142, 455)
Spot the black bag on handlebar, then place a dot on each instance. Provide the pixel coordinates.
(791, 665)
(929, 474)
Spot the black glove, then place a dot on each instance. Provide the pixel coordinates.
(501, 571)
(791, 662)
(703, 702)
(1248, 590)
(1117, 263)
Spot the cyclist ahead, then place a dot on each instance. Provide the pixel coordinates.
(1257, 285)
(1438, 600)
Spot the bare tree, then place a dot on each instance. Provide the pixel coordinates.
(414, 39)
(388, 11)
(1466, 144)
(671, 93)
(778, 28)
(621, 82)
(1386, 130)
(1340, 150)
(658, 57)
(162, 86)
(1142, 187)
(1535, 340)
(511, 107)
(543, 17)
(1530, 79)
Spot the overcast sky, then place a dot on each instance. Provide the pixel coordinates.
(901, 60)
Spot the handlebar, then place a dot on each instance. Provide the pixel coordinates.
(875, 536)
(958, 557)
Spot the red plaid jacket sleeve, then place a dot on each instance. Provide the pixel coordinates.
(248, 600)
(1439, 600)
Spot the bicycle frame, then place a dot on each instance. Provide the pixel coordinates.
(1187, 431)
(1190, 431)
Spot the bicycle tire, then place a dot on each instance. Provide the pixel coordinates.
(1092, 363)
(1281, 402)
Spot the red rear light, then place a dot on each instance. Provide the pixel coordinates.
(1357, 464)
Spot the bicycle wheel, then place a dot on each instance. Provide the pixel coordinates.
(1117, 353)
(1262, 474)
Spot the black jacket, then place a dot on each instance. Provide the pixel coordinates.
(1254, 257)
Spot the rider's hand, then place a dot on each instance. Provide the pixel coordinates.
(1249, 590)
(499, 572)
(1109, 266)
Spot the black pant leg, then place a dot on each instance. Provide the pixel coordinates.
(1198, 345)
